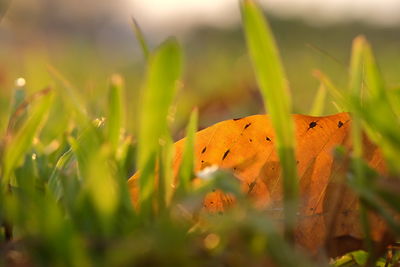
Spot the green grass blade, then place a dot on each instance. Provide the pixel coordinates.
(140, 37)
(187, 164)
(98, 175)
(69, 93)
(373, 78)
(165, 173)
(356, 88)
(163, 73)
(273, 85)
(20, 143)
(115, 118)
(341, 102)
(378, 112)
(54, 183)
(319, 102)
(18, 109)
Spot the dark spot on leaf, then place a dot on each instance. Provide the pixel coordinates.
(312, 124)
(225, 154)
(204, 150)
(202, 161)
(234, 168)
(236, 119)
(251, 186)
(268, 139)
(211, 202)
(247, 125)
(346, 212)
(297, 161)
(213, 190)
(339, 124)
(251, 140)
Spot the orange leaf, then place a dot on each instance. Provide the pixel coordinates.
(329, 212)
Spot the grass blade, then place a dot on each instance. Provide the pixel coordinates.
(163, 73)
(319, 102)
(356, 88)
(54, 183)
(187, 164)
(115, 116)
(140, 37)
(341, 102)
(273, 85)
(20, 143)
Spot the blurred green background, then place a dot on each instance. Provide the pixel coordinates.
(87, 44)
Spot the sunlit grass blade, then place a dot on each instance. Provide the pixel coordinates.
(20, 107)
(186, 168)
(340, 100)
(165, 172)
(20, 143)
(377, 111)
(69, 93)
(17, 109)
(319, 102)
(356, 89)
(163, 73)
(274, 88)
(140, 37)
(115, 116)
(373, 79)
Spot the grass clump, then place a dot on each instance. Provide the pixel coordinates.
(64, 199)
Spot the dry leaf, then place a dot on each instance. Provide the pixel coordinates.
(329, 213)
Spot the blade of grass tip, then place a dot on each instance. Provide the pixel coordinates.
(17, 108)
(21, 107)
(356, 87)
(380, 114)
(373, 78)
(186, 168)
(115, 116)
(327, 54)
(23, 139)
(319, 101)
(70, 94)
(163, 73)
(273, 84)
(341, 101)
(140, 37)
(339, 108)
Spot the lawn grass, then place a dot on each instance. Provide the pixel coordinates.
(64, 199)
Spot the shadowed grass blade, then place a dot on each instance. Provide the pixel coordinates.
(187, 164)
